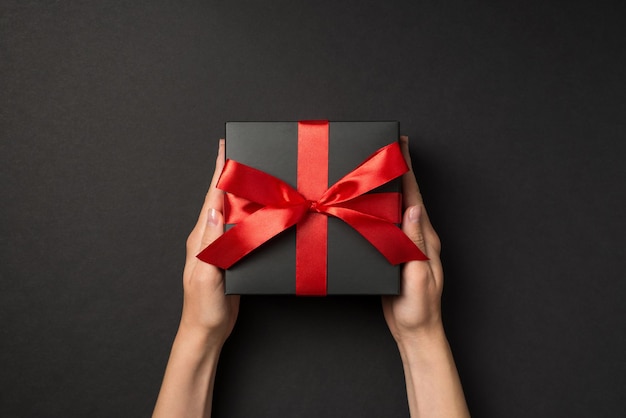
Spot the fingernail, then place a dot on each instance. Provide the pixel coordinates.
(414, 214)
(214, 218)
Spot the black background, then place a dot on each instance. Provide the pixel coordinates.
(110, 112)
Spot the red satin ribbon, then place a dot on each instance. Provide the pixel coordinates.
(312, 230)
(262, 206)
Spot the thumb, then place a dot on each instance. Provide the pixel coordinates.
(214, 227)
(412, 226)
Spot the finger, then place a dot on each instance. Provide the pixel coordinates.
(410, 189)
(213, 229)
(215, 196)
(213, 199)
(412, 227)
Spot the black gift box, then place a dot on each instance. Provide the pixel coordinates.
(354, 266)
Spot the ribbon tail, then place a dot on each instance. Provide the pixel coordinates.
(249, 234)
(386, 237)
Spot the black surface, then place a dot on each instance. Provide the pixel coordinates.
(109, 118)
(355, 267)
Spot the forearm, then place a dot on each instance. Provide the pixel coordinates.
(433, 384)
(187, 388)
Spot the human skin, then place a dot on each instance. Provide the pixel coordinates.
(207, 319)
(414, 318)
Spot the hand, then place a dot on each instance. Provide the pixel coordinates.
(207, 320)
(206, 310)
(417, 310)
(414, 317)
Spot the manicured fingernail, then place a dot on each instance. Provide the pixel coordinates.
(414, 214)
(214, 219)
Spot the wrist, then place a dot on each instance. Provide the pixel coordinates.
(427, 330)
(198, 344)
(422, 340)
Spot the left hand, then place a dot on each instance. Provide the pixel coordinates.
(208, 319)
(207, 311)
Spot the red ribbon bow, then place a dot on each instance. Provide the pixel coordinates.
(277, 206)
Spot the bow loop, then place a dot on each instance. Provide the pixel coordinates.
(257, 186)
